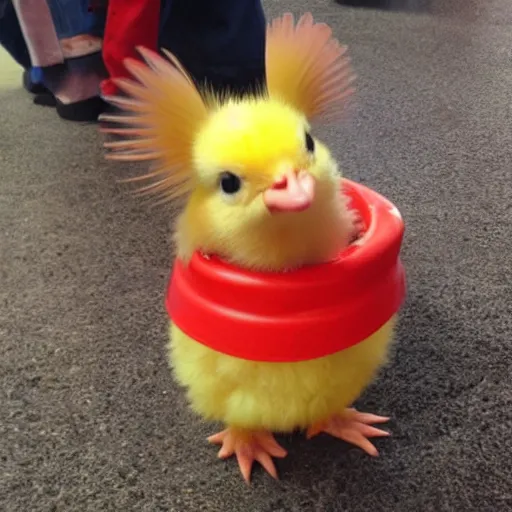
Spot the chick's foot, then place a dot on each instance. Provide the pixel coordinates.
(249, 446)
(353, 427)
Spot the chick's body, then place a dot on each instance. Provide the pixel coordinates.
(279, 397)
(264, 195)
(258, 140)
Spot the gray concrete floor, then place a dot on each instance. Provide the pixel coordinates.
(90, 419)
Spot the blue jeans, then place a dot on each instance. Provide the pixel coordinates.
(72, 18)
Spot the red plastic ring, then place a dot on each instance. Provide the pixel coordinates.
(304, 314)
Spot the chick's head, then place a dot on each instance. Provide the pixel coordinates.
(261, 190)
(262, 182)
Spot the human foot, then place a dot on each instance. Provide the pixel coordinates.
(353, 427)
(249, 446)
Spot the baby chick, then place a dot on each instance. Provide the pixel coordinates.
(264, 194)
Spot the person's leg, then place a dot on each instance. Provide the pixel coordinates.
(56, 32)
(77, 86)
(39, 35)
(11, 36)
(76, 26)
(39, 32)
(220, 42)
(128, 25)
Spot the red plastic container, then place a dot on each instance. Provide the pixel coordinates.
(304, 314)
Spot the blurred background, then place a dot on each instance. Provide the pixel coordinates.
(11, 71)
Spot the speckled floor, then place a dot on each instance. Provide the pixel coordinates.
(90, 419)
(10, 78)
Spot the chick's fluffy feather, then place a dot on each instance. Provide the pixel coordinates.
(195, 137)
(258, 140)
(280, 397)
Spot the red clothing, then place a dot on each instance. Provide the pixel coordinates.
(129, 24)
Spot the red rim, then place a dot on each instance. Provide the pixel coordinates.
(305, 314)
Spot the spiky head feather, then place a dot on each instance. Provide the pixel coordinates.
(306, 70)
(306, 67)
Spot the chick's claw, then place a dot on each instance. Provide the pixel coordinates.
(249, 446)
(353, 427)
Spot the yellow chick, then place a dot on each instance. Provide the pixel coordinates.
(264, 194)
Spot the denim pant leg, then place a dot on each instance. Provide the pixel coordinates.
(73, 18)
(11, 36)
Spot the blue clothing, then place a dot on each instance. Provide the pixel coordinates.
(221, 42)
(36, 75)
(70, 17)
(73, 17)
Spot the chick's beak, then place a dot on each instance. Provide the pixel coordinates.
(294, 192)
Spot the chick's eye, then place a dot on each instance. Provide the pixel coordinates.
(310, 143)
(230, 183)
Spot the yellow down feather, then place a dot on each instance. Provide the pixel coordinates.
(193, 136)
(280, 397)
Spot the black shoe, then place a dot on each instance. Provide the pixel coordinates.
(82, 111)
(45, 99)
